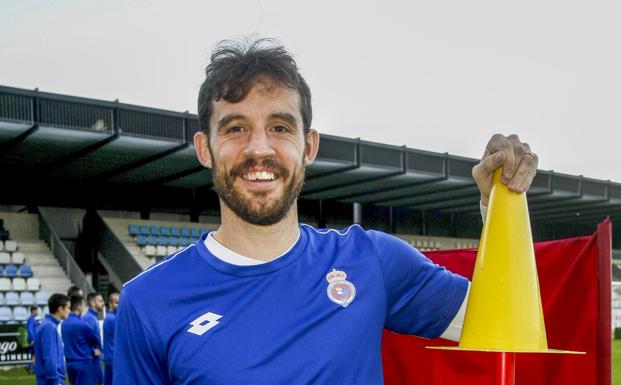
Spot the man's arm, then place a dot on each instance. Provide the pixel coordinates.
(108, 327)
(422, 297)
(136, 358)
(91, 338)
(453, 331)
(31, 327)
(92, 323)
(49, 345)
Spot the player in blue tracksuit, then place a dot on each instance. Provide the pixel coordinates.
(95, 306)
(49, 363)
(265, 300)
(108, 331)
(81, 345)
(31, 327)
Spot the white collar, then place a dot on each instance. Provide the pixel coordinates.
(229, 256)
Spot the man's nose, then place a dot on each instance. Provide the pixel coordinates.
(258, 145)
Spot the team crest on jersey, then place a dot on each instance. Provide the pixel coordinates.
(340, 291)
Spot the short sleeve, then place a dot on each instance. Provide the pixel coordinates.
(422, 297)
(136, 359)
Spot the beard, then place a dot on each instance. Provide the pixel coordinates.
(254, 207)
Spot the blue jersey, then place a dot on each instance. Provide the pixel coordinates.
(108, 330)
(315, 315)
(90, 318)
(49, 361)
(31, 326)
(79, 340)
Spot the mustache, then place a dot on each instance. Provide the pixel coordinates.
(268, 163)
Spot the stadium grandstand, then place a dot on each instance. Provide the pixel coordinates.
(93, 192)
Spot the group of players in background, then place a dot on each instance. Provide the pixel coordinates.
(68, 341)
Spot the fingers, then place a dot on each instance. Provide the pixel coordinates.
(482, 173)
(526, 171)
(499, 143)
(518, 162)
(517, 152)
(489, 164)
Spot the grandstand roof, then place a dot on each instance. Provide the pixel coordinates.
(58, 137)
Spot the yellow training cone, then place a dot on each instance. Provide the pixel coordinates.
(504, 312)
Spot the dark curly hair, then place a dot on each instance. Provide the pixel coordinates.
(236, 67)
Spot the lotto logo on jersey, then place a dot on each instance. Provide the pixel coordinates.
(340, 291)
(203, 323)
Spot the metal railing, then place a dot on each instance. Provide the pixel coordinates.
(16, 108)
(77, 116)
(64, 257)
(149, 125)
(91, 115)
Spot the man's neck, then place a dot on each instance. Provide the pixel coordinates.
(258, 242)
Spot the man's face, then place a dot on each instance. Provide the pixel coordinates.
(63, 311)
(258, 151)
(97, 303)
(113, 302)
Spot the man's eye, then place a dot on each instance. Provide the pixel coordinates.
(280, 128)
(235, 129)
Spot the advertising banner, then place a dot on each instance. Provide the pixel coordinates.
(14, 344)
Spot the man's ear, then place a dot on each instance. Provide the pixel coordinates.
(201, 146)
(312, 146)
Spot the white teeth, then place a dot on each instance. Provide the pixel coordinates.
(259, 175)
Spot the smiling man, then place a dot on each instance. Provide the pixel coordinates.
(264, 299)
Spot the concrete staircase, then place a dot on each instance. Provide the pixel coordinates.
(45, 267)
(24, 230)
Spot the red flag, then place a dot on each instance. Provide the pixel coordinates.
(575, 282)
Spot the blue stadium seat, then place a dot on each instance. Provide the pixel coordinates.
(133, 230)
(26, 298)
(194, 234)
(5, 258)
(1, 271)
(18, 284)
(154, 230)
(33, 284)
(165, 231)
(25, 271)
(18, 258)
(185, 232)
(174, 231)
(144, 230)
(184, 241)
(162, 241)
(152, 240)
(173, 241)
(5, 284)
(41, 298)
(11, 298)
(10, 271)
(20, 314)
(6, 314)
(141, 240)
